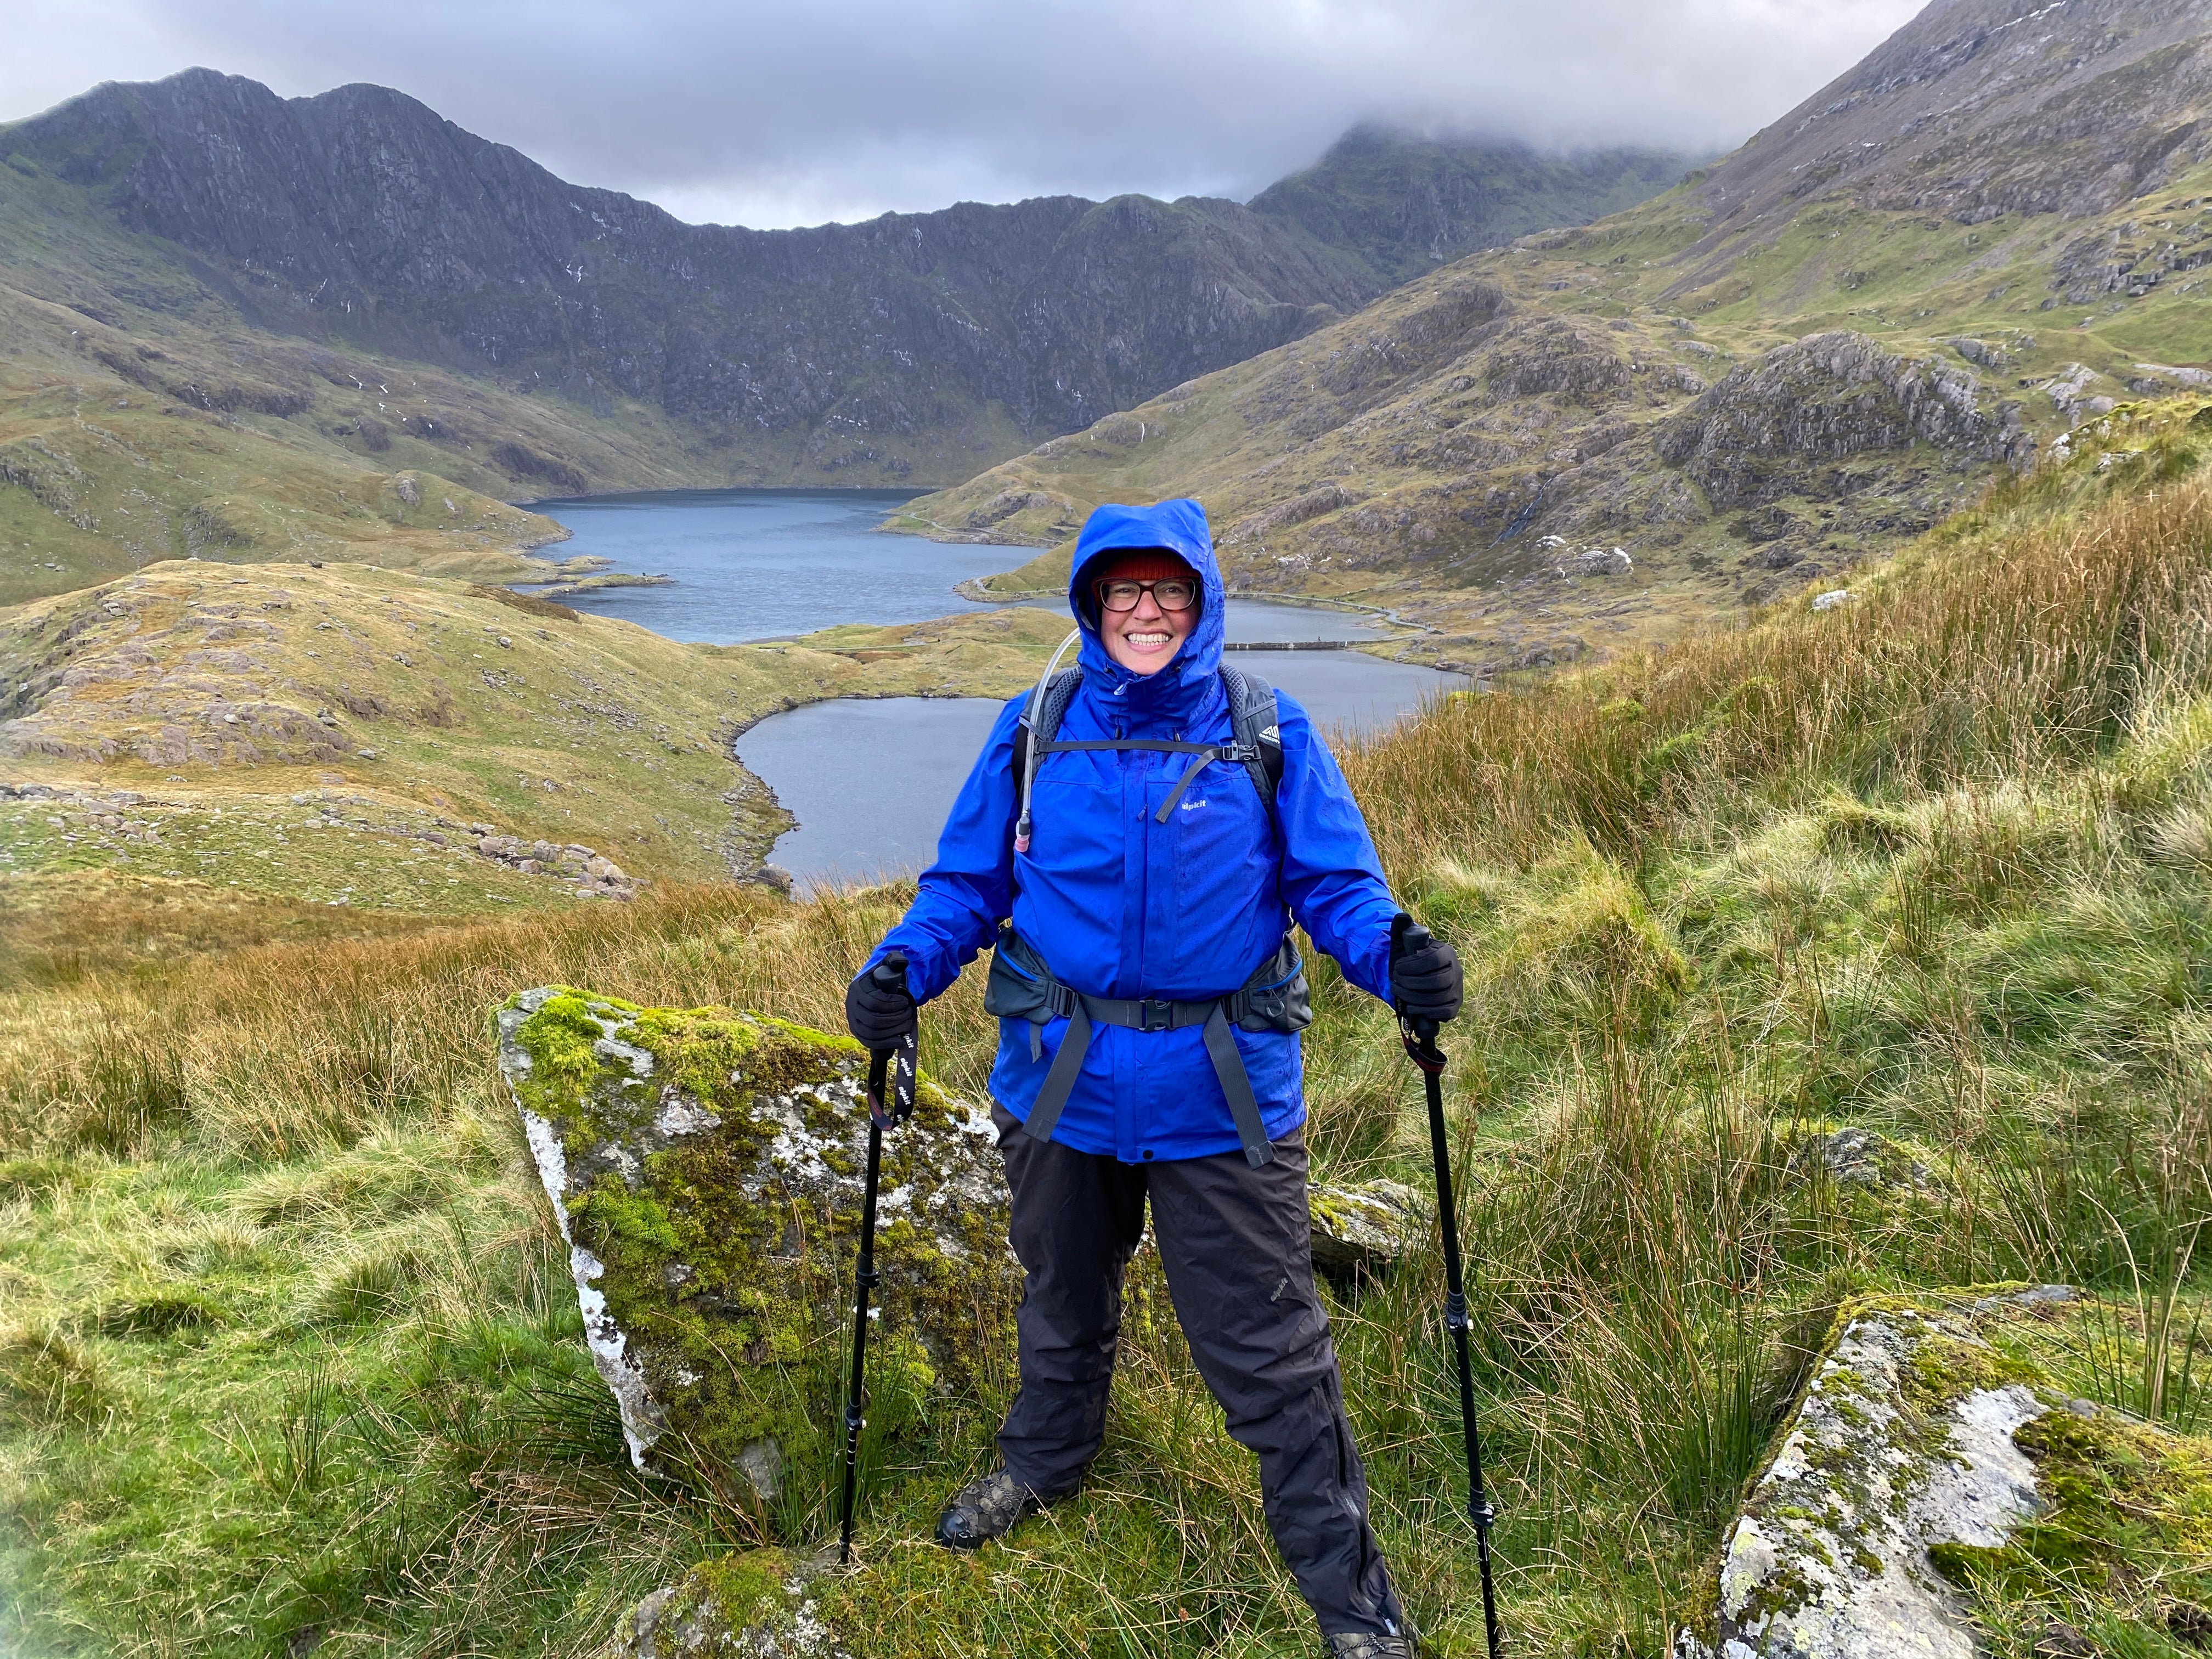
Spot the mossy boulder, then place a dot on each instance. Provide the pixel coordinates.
(1941, 1493)
(706, 1167)
(1364, 1228)
(753, 1604)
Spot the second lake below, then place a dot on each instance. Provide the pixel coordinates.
(870, 781)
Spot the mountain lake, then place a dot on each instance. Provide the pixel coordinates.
(869, 779)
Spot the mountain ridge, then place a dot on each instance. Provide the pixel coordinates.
(314, 321)
(1056, 308)
(1740, 389)
(1405, 204)
(315, 207)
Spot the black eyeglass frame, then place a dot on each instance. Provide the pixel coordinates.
(1098, 592)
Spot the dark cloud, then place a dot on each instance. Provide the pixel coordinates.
(843, 108)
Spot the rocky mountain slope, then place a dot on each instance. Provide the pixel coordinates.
(339, 290)
(1986, 232)
(1405, 204)
(876, 347)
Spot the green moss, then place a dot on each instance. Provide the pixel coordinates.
(2127, 1534)
(725, 1264)
(1944, 1368)
(558, 1039)
(739, 1589)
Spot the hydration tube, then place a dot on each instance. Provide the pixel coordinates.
(1030, 758)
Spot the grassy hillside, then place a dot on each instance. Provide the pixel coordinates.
(291, 1359)
(197, 735)
(143, 416)
(1798, 359)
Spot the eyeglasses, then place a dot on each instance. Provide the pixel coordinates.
(1169, 592)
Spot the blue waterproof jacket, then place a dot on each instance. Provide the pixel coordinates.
(1119, 905)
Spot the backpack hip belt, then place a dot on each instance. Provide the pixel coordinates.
(1273, 998)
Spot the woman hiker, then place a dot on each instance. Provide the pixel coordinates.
(1140, 889)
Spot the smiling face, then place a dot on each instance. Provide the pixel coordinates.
(1144, 639)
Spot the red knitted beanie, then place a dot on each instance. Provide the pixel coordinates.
(1141, 564)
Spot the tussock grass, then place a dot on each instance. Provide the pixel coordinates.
(1911, 868)
(2008, 653)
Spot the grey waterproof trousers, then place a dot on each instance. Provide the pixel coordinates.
(1235, 1243)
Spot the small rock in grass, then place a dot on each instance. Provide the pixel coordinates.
(1859, 1158)
(755, 1603)
(1365, 1228)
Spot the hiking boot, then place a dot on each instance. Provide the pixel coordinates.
(985, 1509)
(1364, 1644)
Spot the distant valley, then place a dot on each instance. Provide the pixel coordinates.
(275, 320)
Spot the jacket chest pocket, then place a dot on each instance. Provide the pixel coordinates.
(1078, 831)
(1223, 850)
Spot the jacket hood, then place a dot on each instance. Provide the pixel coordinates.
(1179, 525)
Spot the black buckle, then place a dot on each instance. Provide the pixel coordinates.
(1155, 1014)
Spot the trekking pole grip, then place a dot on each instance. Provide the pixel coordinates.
(1407, 937)
(890, 974)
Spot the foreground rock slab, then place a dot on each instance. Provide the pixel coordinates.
(1939, 1486)
(705, 1166)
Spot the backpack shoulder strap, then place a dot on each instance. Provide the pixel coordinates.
(1256, 724)
(1058, 691)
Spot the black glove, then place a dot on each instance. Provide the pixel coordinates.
(1424, 974)
(878, 1008)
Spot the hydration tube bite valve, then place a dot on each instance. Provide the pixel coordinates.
(895, 1067)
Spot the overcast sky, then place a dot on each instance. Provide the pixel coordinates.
(768, 115)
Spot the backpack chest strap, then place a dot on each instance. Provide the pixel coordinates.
(1202, 756)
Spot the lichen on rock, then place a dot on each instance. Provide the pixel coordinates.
(751, 1605)
(1938, 1480)
(706, 1167)
(1365, 1228)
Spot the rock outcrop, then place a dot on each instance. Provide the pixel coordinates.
(705, 1166)
(1938, 1473)
(1768, 428)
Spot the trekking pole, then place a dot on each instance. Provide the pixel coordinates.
(889, 973)
(1419, 1036)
